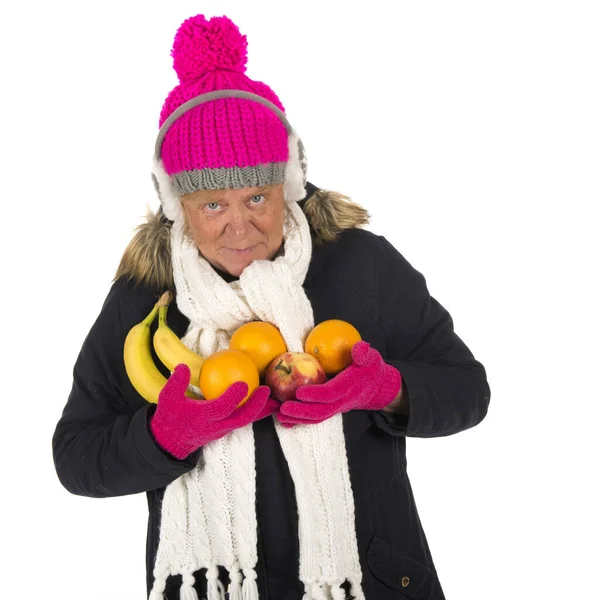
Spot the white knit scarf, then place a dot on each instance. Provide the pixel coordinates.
(208, 515)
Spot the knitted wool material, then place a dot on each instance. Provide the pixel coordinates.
(215, 145)
(368, 383)
(181, 425)
(208, 514)
(293, 185)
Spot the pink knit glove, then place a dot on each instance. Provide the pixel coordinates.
(368, 383)
(181, 425)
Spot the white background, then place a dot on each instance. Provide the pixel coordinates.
(471, 132)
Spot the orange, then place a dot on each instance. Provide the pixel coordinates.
(330, 342)
(223, 369)
(261, 341)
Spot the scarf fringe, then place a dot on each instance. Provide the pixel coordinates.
(356, 588)
(337, 592)
(249, 587)
(333, 591)
(188, 591)
(215, 590)
(158, 588)
(235, 587)
(235, 592)
(315, 591)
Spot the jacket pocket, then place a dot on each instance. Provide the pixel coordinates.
(399, 571)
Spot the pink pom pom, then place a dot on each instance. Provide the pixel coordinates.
(202, 46)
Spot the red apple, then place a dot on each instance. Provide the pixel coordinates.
(288, 371)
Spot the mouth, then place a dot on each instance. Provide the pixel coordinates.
(242, 251)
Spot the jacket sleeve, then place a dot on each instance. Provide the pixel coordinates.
(101, 445)
(447, 387)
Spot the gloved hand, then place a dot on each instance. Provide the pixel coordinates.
(368, 383)
(180, 425)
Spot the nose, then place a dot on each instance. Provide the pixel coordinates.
(239, 225)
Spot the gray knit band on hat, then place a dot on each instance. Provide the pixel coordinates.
(188, 182)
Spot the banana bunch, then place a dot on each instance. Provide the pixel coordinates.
(139, 365)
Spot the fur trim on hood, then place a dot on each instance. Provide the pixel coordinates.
(147, 258)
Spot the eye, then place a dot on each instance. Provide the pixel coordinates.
(212, 206)
(260, 197)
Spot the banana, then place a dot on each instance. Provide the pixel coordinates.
(141, 370)
(170, 349)
(139, 364)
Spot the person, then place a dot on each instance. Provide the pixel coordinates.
(306, 499)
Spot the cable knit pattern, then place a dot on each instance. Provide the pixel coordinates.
(172, 536)
(210, 511)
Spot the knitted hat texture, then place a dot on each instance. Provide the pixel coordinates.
(228, 142)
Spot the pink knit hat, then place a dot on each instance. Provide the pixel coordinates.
(219, 128)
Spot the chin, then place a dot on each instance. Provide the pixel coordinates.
(235, 271)
(235, 265)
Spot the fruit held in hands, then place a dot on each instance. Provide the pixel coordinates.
(289, 371)
(223, 369)
(261, 341)
(139, 364)
(169, 348)
(330, 342)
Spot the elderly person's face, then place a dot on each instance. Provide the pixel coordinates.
(233, 227)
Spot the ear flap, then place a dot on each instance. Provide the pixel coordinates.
(171, 204)
(295, 170)
(303, 160)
